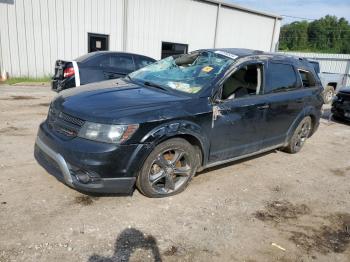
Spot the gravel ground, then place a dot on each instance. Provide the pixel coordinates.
(273, 207)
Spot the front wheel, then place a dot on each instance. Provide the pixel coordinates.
(168, 169)
(301, 133)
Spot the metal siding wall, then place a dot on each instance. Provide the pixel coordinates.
(332, 63)
(38, 37)
(47, 45)
(31, 51)
(5, 54)
(35, 33)
(22, 38)
(13, 40)
(38, 32)
(244, 30)
(153, 21)
(116, 25)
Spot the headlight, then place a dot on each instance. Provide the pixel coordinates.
(107, 133)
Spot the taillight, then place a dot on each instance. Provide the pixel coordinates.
(68, 72)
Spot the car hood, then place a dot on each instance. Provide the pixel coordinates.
(345, 90)
(119, 101)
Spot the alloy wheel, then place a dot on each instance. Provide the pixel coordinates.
(302, 135)
(169, 171)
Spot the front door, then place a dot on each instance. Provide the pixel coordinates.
(120, 66)
(238, 119)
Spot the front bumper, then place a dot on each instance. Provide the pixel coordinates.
(116, 166)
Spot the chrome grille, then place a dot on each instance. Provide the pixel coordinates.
(63, 123)
(71, 119)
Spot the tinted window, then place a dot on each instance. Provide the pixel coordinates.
(85, 58)
(142, 61)
(316, 66)
(122, 62)
(280, 77)
(307, 78)
(98, 60)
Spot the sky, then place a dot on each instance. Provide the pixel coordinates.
(312, 9)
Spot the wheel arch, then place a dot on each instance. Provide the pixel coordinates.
(187, 130)
(308, 111)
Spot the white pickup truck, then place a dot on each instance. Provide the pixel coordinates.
(331, 82)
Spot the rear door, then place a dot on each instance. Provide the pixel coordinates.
(285, 97)
(92, 70)
(239, 120)
(120, 65)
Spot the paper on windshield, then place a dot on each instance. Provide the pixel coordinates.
(183, 87)
(226, 54)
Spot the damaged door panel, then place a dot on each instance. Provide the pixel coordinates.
(236, 129)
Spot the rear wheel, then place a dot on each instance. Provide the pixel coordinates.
(328, 94)
(168, 169)
(301, 133)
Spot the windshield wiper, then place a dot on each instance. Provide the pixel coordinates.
(147, 83)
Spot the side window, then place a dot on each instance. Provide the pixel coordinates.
(105, 61)
(307, 78)
(246, 81)
(142, 61)
(122, 62)
(99, 60)
(280, 77)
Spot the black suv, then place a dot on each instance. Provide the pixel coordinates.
(95, 67)
(160, 125)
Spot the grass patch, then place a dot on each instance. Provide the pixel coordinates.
(16, 80)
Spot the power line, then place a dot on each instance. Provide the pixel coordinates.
(297, 17)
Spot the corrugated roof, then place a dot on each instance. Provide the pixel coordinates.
(238, 7)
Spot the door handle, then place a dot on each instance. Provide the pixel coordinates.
(264, 107)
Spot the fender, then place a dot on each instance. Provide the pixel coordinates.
(307, 111)
(178, 128)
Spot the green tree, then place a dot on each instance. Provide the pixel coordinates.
(294, 36)
(328, 34)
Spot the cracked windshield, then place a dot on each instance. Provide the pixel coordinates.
(187, 73)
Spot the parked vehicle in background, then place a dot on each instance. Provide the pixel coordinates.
(331, 82)
(341, 104)
(161, 124)
(95, 67)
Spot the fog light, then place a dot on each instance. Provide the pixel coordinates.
(82, 177)
(85, 177)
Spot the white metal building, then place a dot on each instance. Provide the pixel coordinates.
(35, 33)
(330, 63)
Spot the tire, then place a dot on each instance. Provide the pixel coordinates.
(301, 133)
(168, 169)
(328, 94)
